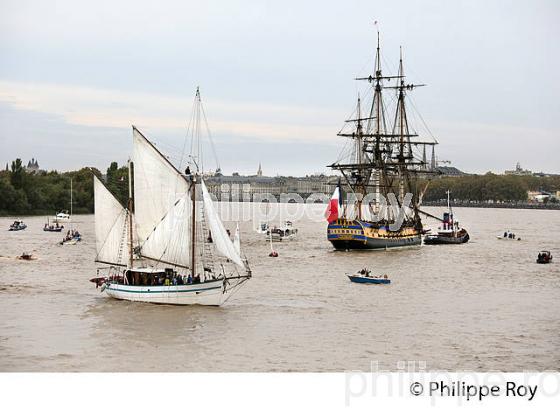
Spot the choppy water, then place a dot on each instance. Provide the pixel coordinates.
(481, 306)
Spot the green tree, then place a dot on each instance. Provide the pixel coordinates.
(18, 174)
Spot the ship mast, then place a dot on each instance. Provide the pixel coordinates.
(405, 161)
(193, 230)
(385, 161)
(130, 206)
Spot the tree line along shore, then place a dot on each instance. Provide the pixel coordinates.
(45, 192)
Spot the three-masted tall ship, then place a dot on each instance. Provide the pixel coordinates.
(386, 162)
(168, 245)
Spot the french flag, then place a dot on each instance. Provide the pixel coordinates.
(335, 205)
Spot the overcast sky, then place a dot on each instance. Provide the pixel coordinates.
(276, 78)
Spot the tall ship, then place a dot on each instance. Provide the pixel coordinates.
(384, 170)
(168, 244)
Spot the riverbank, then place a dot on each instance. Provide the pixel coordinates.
(506, 205)
(39, 212)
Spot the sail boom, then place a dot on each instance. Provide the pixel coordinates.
(110, 263)
(165, 262)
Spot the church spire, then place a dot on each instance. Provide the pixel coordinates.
(433, 164)
(259, 172)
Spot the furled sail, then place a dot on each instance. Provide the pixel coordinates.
(111, 228)
(221, 239)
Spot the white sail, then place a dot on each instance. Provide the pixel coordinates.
(220, 237)
(169, 241)
(111, 228)
(157, 185)
(237, 240)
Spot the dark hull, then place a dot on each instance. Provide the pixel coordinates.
(375, 243)
(364, 279)
(446, 240)
(17, 229)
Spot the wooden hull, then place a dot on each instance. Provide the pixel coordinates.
(362, 235)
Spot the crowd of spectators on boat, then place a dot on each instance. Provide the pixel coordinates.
(71, 234)
(160, 279)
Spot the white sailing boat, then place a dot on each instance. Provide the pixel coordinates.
(158, 249)
(72, 237)
(237, 240)
(64, 216)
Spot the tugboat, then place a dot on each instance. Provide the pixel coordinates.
(544, 257)
(449, 232)
(364, 276)
(385, 162)
(18, 225)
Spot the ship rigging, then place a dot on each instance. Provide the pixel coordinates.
(387, 161)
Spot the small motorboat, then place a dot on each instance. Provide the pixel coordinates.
(365, 276)
(262, 228)
(62, 216)
(26, 257)
(18, 225)
(53, 228)
(510, 236)
(280, 233)
(544, 257)
(71, 238)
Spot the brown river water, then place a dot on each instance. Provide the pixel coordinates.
(482, 306)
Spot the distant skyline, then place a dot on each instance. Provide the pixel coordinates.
(276, 79)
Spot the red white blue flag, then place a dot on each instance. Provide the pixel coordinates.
(335, 206)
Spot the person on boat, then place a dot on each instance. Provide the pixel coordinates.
(189, 280)
(505, 234)
(167, 282)
(188, 170)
